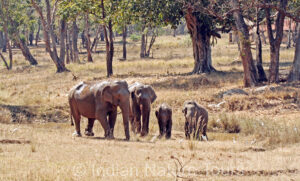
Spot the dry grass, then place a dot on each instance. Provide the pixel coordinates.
(239, 146)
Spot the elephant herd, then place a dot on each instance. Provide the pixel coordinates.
(100, 101)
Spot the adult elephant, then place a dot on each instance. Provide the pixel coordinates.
(142, 96)
(99, 101)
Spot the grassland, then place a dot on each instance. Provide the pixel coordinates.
(251, 137)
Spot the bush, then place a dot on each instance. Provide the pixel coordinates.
(135, 37)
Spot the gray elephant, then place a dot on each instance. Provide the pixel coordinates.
(164, 117)
(142, 96)
(192, 113)
(99, 101)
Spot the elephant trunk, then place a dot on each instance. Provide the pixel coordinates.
(125, 113)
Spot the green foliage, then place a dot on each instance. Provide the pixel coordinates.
(135, 37)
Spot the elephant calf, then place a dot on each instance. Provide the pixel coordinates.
(192, 113)
(164, 118)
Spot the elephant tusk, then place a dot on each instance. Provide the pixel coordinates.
(119, 112)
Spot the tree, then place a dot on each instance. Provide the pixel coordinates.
(14, 19)
(275, 42)
(260, 70)
(48, 32)
(250, 75)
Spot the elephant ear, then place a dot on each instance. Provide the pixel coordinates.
(151, 93)
(156, 113)
(107, 95)
(184, 110)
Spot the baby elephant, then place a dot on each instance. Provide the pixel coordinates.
(192, 113)
(164, 118)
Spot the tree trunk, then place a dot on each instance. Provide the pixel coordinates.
(124, 35)
(201, 45)
(31, 38)
(75, 32)
(88, 40)
(48, 29)
(275, 42)
(63, 34)
(7, 44)
(295, 70)
(4, 60)
(230, 37)
(1, 40)
(95, 42)
(289, 37)
(250, 75)
(69, 44)
(143, 43)
(25, 51)
(37, 35)
(109, 43)
(260, 69)
(151, 44)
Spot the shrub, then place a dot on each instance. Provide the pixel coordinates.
(135, 37)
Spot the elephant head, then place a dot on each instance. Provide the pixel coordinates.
(143, 93)
(117, 94)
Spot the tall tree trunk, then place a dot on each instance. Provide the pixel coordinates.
(4, 44)
(1, 40)
(289, 37)
(31, 38)
(260, 69)
(250, 75)
(4, 60)
(25, 51)
(151, 44)
(48, 29)
(7, 44)
(37, 35)
(143, 43)
(95, 41)
(275, 42)
(295, 70)
(109, 43)
(88, 40)
(75, 32)
(63, 34)
(124, 35)
(201, 44)
(69, 45)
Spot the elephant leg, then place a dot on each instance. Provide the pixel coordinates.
(161, 129)
(186, 128)
(169, 129)
(89, 129)
(112, 120)
(146, 116)
(137, 120)
(199, 130)
(102, 117)
(204, 131)
(77, 116)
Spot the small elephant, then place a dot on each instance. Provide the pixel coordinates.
(142, 96)
(164, 118)
(192, 112)
(99, 101)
